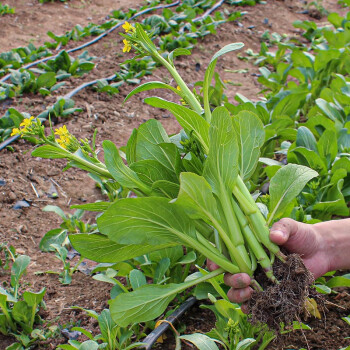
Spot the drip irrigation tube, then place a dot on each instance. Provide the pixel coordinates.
(153, 336)
(85, 85)
(8, 141)
(29, 65)
(208, 12)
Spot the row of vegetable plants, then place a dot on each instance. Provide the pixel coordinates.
(181, 29)
(175, 200)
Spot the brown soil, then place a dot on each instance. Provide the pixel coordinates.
(30, 179)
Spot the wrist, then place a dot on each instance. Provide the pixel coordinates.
(334, 243)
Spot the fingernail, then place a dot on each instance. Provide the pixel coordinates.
(279, 233)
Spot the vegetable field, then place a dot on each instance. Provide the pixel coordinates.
(140, 139)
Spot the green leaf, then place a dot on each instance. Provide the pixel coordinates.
(305, 138)
(120, 172)
(177, 52)
(101, 249)
(330, 110)
(307, 158)
(221, 168)
(150, 86)
(173, 253)
(289, 104)
(327, 146)
(250, 138)
(108, 327)
(34, 299)
(209, 73)
(338, 281)
(6, 296)
(46, 80)
(191, 121)
(18, 269)
(145, 221)
(245, 344)
(323, 289)
(287, 183)
(84, 331)
(50, 152)
(153, 143)
(150, 171)
(89, 345)
(189, 258)
(144, 304)
(226, 49)
(55, 209)
(165, 188)
(130, 151)
(137, 279)
(55, 236)
(162, 267)
(201, 341)
(22, 314)
(335, 19)
(15, 346)
(333, 203)
(196, 197)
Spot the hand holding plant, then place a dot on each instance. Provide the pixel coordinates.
(323, 246)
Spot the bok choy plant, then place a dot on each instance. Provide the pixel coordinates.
(192, 188)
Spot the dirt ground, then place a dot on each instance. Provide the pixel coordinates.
(30, 179)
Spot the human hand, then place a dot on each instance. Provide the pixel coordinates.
(296, 237)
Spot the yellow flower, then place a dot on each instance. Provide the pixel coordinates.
(63, 141)
(26, 122)
(127, 46)
(63, 131)
(128, 27)
(15, 131)
(66, 139)
(178, 88)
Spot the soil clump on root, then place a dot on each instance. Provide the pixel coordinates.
(283, 302)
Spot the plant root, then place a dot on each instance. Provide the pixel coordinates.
(285, 301)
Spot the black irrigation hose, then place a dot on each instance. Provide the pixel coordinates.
(8, 141)
(85, 85)
(6, 77)
(208, 12)
(153, 336)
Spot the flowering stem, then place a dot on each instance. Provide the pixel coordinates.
(97, 169)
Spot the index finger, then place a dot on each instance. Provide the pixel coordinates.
(212, 266)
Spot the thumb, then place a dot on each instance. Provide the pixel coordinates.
(284, 230)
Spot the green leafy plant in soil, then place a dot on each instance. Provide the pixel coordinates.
(6, 9)
(306, 112)
(14, 120)
(112, 336)
(19, 309)
(234, 330)
(192, 189)
(60, 68)
(57, 240)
